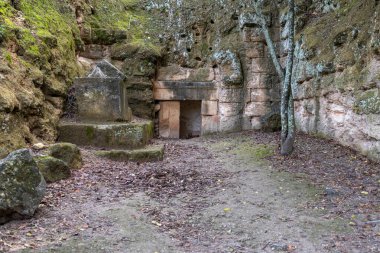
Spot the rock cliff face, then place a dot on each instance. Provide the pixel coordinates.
(45, 45)
(338, 88)
(337, 93)
(38, 40)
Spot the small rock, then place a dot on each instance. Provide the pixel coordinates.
(331, 192)
(22, 186)
(67, 152)
(39, 146)
(279, 246)
(52, 168)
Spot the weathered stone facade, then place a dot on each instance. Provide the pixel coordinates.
(239, 91)
(337, 88)
(337, 92)
(348, 115)
(102, 95)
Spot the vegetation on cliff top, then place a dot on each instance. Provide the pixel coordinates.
(128, 16)
(341, 35)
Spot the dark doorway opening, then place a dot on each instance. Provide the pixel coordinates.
(190, 119)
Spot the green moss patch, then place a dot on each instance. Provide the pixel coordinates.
(68, 153)
(124, 19)
(339, 35)
(244, 149)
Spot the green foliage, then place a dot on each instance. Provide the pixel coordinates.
(5, 23)
(30, 44)
(8, 57)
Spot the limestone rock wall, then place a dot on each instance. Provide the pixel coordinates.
(224, 37)
(124, 33)
(337, 94)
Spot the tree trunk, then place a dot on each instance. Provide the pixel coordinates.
(287, 103)
(286, 76)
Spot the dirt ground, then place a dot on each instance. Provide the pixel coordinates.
(230, 193)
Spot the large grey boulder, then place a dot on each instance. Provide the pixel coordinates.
(22, 186)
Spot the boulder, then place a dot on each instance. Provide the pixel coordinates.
(67, 152)
(52, 168)
(22, 186)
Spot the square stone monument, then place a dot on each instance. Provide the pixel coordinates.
(102, 95)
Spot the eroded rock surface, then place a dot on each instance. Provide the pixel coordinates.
(22, 187)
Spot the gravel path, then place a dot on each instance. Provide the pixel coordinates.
(214, 194)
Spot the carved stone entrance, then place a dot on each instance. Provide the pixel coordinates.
(180, 119)
(186, 109)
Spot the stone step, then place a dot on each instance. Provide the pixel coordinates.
(107, 135)
(148, 154)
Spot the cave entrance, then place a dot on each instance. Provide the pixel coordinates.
(180, 119)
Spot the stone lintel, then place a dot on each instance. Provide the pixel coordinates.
(169, 90)
(183, 85)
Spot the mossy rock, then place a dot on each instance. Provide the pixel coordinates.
(122, 51)
(14, 131)
(22, 187)
(68, 153)
(107, 37)
(148, 154)
(139, 67)
(52, 168)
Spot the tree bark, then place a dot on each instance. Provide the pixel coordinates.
(286, 76)
(287, 103)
